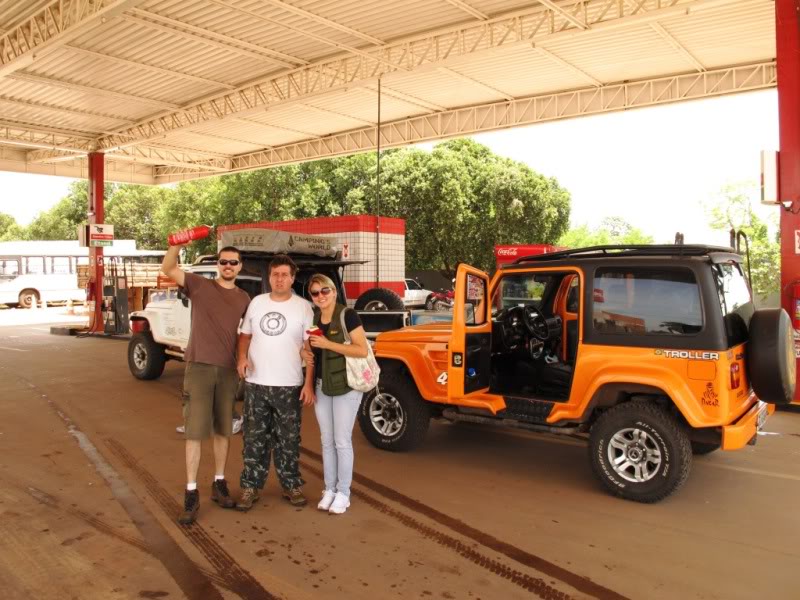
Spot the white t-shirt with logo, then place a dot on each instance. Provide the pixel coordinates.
(278, 330)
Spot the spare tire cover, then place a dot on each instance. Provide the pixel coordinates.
(771, 363)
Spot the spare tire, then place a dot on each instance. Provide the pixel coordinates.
(771, 363)
(379, 299)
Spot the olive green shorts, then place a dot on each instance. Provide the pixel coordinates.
(209, 392)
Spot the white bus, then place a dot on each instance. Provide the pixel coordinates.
(48, 270)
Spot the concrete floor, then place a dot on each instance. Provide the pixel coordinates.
(91, 479)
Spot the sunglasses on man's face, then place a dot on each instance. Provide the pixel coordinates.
(225, 261)
(324, 291)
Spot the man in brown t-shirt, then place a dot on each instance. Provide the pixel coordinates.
(210, 379)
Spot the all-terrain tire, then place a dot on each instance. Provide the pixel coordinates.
(640, 428)
(701, 449)
(394, 416)
(27, 298)
(771, 363)
(146, 357)
(429, 302)
(379, 299)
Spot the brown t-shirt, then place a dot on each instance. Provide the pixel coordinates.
(216, 312)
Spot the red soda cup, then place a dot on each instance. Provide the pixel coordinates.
(188, 235)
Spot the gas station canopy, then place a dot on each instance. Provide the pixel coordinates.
(171, 90)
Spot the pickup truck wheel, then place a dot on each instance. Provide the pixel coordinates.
(771, 363)
(379, 299)
(429, 302)
(146, 357)
(394, 416)
(640, 452)
(699, 448)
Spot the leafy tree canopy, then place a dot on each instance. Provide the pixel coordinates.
(611, 231)
(733, 209)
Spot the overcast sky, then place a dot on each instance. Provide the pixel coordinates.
(656, 167)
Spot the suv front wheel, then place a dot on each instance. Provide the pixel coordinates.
(394, 416)
(639, 451)
(146, 357)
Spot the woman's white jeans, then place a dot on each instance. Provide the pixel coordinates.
(336, 416)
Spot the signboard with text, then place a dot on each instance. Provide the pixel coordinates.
(101, 235)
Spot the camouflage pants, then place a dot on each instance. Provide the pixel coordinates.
(271, 427)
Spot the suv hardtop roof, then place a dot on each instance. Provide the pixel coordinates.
(625, 251)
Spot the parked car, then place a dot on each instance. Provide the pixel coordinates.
(415, 295)
(651, 353)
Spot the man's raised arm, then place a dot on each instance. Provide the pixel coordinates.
(169, 266)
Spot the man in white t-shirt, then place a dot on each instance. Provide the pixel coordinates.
(272, 335)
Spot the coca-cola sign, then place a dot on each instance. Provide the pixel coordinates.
(506, 252)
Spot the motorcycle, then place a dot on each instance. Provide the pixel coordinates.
(441, 301)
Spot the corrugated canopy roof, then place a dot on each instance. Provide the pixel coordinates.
(179, 89)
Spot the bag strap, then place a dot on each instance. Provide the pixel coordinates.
(344, 325)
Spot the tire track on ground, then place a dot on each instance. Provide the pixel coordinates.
(107, 529)
(531, 584)
(522, 557)
(238, 579)
(181, 568)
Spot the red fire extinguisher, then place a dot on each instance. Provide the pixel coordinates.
(189, 235)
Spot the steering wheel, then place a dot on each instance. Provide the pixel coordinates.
(514, 328)
(536, 323)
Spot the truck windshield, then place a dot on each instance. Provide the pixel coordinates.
(735, 301)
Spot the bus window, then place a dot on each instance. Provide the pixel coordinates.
(34, 265)
(9, 269)
(61, 265)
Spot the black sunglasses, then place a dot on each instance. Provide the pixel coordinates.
(324, 291)
(225, 261)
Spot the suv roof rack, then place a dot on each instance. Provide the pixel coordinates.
(626, 250)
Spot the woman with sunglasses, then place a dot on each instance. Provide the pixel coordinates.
(337, 404)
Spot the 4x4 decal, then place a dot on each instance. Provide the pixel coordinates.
(690, 354)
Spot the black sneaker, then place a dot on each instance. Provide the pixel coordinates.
(220, 494)
(191, 504)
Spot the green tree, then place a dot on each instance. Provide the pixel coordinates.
(8, 226)
(733, 209)
(135, 212)
(62, 220)
(611, 231)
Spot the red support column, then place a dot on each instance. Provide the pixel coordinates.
(96, 215)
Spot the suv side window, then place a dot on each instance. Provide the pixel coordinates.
(735, 301)
(645, 301)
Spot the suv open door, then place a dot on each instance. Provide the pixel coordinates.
(469, 350)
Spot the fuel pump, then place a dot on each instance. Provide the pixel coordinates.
(116, 319)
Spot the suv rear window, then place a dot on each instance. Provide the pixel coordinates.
(646, 302)
(735, 301)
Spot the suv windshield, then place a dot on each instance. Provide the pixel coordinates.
(520, 290)
(735, 301)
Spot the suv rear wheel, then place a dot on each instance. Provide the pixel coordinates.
(146, 357)
(640, 452)
(394, 416)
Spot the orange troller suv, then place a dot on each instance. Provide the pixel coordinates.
(653, 353)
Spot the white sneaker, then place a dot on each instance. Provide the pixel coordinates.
(180, 429)
(237, 424)
(327, 500)
(339, 505)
